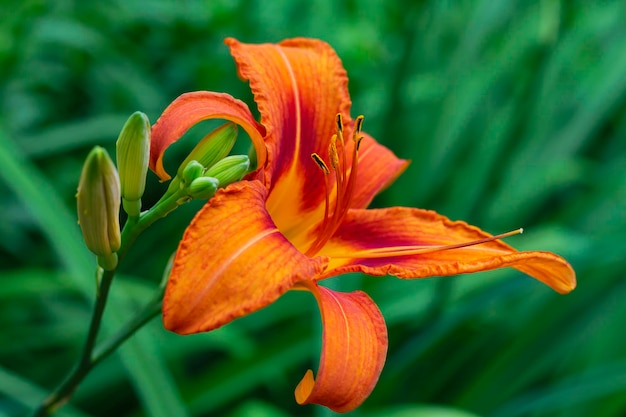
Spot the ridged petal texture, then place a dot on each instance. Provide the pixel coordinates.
(354, 349)
(231, 262)
(365, 236)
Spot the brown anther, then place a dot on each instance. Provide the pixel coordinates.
(358, 125)
(339, 123)
(358, 143)
(320, 163)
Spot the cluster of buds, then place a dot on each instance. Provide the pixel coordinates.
(207, 167)
(202, 182)
(102, 191)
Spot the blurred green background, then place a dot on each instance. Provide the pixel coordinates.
(513, 113)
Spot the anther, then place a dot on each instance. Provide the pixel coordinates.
(333, 153)
(320, 163)
(339, 123)
(358, 125)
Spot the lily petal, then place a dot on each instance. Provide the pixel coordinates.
(299, 86)
(354, 349)
(378, 168)
(232, 261)
(191, 108)
(371, 241)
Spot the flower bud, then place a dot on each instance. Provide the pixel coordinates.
(203, 187)
(213, 147)
(133, 152)
(192, 170)
(230, 169)
(98, 204)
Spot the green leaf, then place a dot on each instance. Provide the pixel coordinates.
(421, 411)
(257, 409)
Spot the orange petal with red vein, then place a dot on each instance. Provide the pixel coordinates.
(191, 108)
(354, 349)
(231, 262)
(373, 241)
(299, 86)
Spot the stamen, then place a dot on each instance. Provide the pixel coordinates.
(320, 163)
(339, 123)
(344, 183)
(342, 170)
(358, 143)
(420, 250)
(333, 154)
(358, 125)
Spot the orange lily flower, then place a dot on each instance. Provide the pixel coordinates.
(302, 218)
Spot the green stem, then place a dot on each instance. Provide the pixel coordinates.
(67, 388)
(91, 358)
(136, 225)
(150, 311)
(105, 279)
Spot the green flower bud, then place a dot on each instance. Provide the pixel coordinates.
(203, 187)
(230, 169)
(133, 152)
(213, 147)
(98, 204)
(192, 170)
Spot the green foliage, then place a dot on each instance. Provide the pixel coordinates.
(512, 112)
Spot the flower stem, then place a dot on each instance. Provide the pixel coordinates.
(150, 311)
(63, 393)
(90, 356)
(136, 225)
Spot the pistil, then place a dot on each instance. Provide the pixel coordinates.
(419, 250)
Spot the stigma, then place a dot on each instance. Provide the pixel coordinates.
(340, 175)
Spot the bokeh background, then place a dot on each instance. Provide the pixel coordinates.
(513, 114)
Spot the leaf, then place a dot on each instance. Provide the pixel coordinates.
(421, 411)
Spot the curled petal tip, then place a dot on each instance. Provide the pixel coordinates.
(354, 349)
(305, 387)
(191, 108)
(548, 268)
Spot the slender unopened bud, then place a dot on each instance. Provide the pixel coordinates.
(133, 152)
(203, 187)
(230, 169)
(213, 147)
(192, 170)
(98, 203)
